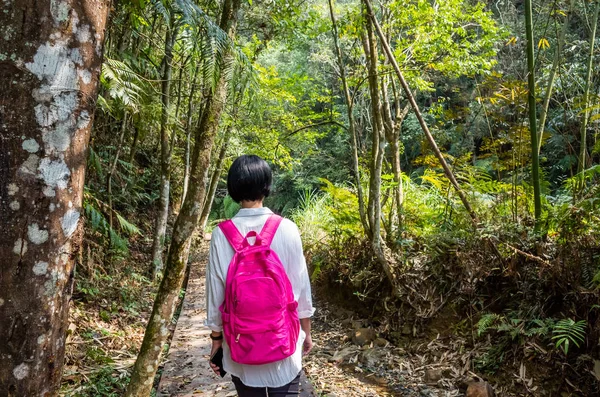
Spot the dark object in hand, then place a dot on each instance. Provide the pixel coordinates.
(217, 359)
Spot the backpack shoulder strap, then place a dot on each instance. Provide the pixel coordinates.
(232, 234)
(268, 231)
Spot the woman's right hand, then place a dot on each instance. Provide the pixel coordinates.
(216, 344)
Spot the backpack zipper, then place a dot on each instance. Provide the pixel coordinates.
(237, 338)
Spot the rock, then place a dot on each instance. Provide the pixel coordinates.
(344, 354)
(432, 376)
(480, 389)
(380, 342)
(363, 336)
(371, 357)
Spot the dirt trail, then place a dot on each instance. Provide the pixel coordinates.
(186, 371)
(336, 367)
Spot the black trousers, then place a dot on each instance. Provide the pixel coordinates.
(291, 389)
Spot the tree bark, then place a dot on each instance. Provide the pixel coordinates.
(214, 181)
(160, 229)
(188, 139)
(50, 60)
(411, 99)
(351, 123)
(164, 306)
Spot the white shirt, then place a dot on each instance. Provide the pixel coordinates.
(288, 246)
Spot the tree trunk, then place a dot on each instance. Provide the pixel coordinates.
(351, 123)
(586, 100)
(377, 155)
(214, 181)
(136, 138)
(166, 299)
(392, 128)
(555, 64)
(424, 127)
(188, 127)
(50, 59)
(535, 162)
(109, 175)
(160, 229)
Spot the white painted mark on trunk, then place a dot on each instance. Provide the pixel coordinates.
(20, 247)
(54, 173)
(12, 189)
(40, 268)
(36, 235)
(31, 146)
(69, 222)
(21, 371)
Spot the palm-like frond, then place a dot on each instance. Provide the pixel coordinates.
(123, 83)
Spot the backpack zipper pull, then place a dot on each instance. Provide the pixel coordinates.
(237, 338)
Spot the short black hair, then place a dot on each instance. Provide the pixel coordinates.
(249, 179)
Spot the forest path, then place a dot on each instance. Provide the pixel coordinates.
(336, 366)
(186, 371)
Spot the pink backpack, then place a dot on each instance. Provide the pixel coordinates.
(260, 318)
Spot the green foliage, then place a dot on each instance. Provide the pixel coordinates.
(567, 332)
(96, 214)
(231, 207)
(106, 382)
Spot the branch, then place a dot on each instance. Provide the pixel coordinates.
(316, 125)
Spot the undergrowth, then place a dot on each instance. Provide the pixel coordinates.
(528, 296)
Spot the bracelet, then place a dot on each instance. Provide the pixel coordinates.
(220, 337)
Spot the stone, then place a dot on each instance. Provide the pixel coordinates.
(363, 336)
(432, 376)
(480, 389)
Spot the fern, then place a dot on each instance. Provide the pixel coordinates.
(486, 322)
(128, 227)
(567, 332)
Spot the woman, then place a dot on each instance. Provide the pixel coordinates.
(248, 183)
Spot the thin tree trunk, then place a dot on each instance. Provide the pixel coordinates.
(109, 175)
(535, 163)
(160, 229)
(352, 124)
(424, 127)
(555, 65)
(392, 132)
(188, 127)
(136, 137)
(586, 99)
(46, 119)
(377, 155)
(166, 299)
(214, 180)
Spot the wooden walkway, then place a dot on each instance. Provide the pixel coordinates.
(186, 371)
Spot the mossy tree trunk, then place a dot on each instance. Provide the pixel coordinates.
(156, 334)
(50, 60)
(160, 228)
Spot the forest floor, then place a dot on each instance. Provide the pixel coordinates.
(109, 315)
(337, 366)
